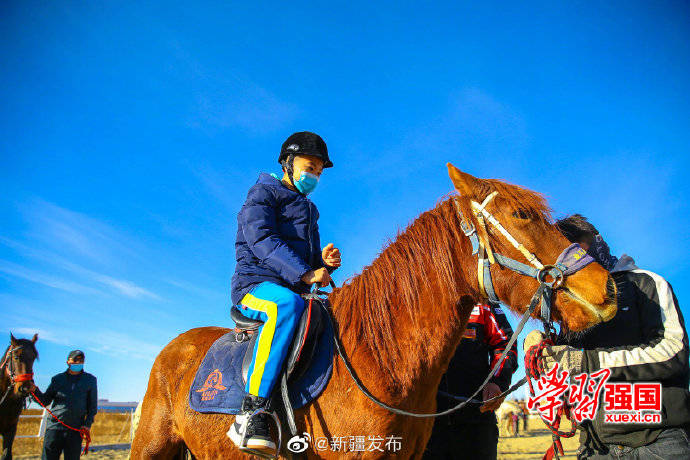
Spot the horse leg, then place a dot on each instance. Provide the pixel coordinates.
(7, 440)
(154, 438)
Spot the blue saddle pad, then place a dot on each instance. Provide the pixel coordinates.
(218, 385)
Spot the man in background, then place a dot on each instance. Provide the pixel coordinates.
(473, 431)
(523, 415)
(74, 397)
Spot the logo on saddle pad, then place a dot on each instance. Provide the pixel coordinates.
(211, 386)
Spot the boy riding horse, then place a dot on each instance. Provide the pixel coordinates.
(278, 258)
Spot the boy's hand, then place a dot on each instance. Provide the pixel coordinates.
(319, 275)
(331, 256)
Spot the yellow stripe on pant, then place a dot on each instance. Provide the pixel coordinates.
(265, 338)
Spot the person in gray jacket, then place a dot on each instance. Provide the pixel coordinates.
(72, 396)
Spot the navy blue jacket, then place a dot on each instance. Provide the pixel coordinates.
(74, 399)
(277, 238)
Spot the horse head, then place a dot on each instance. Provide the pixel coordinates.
(583, 298)
(18, 363)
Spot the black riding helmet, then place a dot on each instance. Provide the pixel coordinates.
(305, 143)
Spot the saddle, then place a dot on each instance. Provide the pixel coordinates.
(303, 346)
(220, 380)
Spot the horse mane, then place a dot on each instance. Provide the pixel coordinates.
(388, 290)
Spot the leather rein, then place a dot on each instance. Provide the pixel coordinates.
(550, 278)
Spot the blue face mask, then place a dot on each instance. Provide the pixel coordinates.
(307, 182)
(76, 367)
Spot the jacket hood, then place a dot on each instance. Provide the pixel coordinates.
(265, 178)
(624, 264)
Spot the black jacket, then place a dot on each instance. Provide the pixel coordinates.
(645, 342)
(74, 399)
(487, 333)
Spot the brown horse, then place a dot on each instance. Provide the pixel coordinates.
(400, 321)
(15, 382)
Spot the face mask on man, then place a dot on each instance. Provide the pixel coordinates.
(307, 182)
(76, 367)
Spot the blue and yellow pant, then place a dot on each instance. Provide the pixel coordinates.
(280, 309)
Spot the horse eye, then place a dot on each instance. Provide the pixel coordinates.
(522, 214)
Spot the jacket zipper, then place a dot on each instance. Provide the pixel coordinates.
(311, 243)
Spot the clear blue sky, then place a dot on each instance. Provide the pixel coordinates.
(131, 133)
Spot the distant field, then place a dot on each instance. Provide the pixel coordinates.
(113, 428)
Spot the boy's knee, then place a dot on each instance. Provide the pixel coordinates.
(296, 304)
(291, 304)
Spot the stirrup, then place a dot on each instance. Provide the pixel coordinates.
(243, 442)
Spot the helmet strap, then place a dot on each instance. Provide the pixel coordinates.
(289, 167)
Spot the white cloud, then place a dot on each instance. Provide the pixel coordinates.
(118, 344)
(104, 342)
(55, 231)
(34, 276)
(126, 288)
(69, 232)
(43, 334)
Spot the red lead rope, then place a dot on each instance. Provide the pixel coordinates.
(534, 369)
(84, 432)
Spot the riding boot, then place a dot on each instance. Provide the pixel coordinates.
(258, 436)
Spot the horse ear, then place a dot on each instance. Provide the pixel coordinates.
(13, 341)
(464, 183)
(34, 338)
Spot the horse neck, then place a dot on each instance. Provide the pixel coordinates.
(5, 386)
(4, 380)
(403, 330)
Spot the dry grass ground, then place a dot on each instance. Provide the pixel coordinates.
(108, 428)
(533, 445)
(112, 428)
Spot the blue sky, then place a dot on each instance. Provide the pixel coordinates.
(131, 133)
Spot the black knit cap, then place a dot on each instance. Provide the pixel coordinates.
(305, 143)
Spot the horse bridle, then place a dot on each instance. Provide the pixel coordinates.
(550, 277)
(572, 259)
(7, 366)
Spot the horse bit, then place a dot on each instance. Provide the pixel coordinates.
(550, 278)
